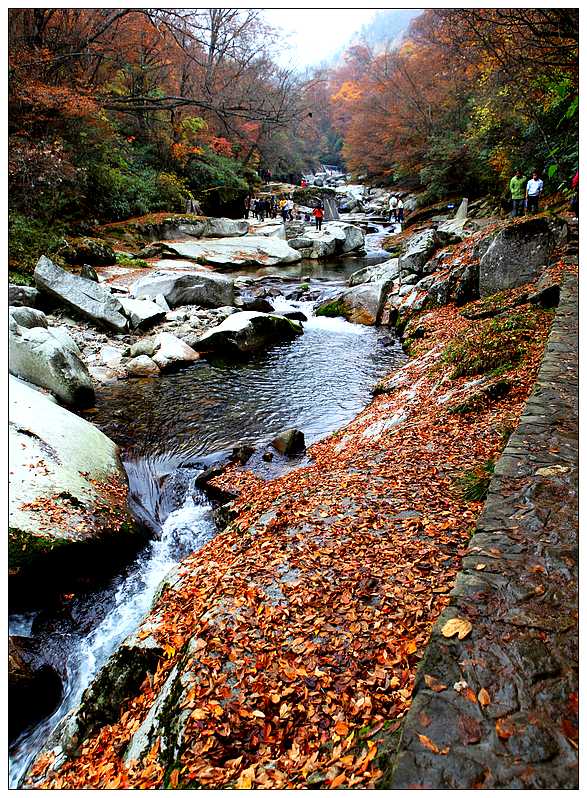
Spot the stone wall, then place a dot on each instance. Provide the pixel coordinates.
(498, 709)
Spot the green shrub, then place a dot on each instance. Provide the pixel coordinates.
(496, 344)
(28, 239)
(473, 484)
(131, 263)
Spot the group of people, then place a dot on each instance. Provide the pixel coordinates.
(525, 193)
(396, 209)
(269, 207)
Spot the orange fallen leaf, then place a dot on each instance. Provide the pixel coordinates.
(427, 743)
(484, 697)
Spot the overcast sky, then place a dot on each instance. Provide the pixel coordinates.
(314, 35)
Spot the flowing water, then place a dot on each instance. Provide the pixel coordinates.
(171, 428)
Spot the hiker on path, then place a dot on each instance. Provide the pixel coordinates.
(533, 193)
(399, 212)
(247, 206)
(288, 207)
(518, 192)
(318, 214)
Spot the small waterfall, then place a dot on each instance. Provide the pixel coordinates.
(185, 529)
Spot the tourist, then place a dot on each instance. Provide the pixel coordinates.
(575, 197)
(518, 192)
(318, 214)
(393, 208)
(533, 192)
(400, 212)
(247, 206)
(288, 207)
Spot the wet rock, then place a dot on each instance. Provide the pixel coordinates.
(242, 454)
(172, 353)
(37, 356)
(34, 687)
(141, 312)
(295, 315)
(202, 288)
(110, 356)
(518, 254)
(362, 304)
(89, 273)
(88, 298)
(67, 484)
(267, 456)
(142, 366)
(256, 303)
(22, 295)
(290, 441)
(248, 331)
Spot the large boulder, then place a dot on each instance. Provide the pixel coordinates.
(68, 488)
(388, 270)
(86, 297)
(248, 331)
(141, 312)
(22, 295)
(518, 254)
(290, 441)
(38, 356)
(202, 288)
(245, 251)
(418, 249)
(362, 304)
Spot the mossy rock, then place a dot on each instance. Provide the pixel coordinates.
(332, 309)
(93, 251)
(308, 196)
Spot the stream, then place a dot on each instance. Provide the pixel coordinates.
(171, 428)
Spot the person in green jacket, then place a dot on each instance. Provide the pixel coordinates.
(518, 192)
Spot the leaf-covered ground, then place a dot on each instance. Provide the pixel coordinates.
(306, 618)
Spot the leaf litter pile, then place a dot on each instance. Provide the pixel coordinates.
(289, 643)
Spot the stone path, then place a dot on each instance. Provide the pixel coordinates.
(498, 709)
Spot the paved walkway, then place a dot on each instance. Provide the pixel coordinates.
(498, 709)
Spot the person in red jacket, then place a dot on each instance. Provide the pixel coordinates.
(318, 214)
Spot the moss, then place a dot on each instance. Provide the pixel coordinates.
(25, 549)
(331, 309)
(131, 263)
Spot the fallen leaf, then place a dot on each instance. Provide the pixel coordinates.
(434, 684)
(484, 697)
(457, 626)
(427, 743)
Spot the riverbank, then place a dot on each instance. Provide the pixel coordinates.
(290, 642)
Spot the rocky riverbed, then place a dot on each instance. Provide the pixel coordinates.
(178, 307)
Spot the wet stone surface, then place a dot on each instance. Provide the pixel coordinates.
(514, 725)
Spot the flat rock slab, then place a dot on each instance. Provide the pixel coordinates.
(506, 717)
(85, 296)
(245, 251)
